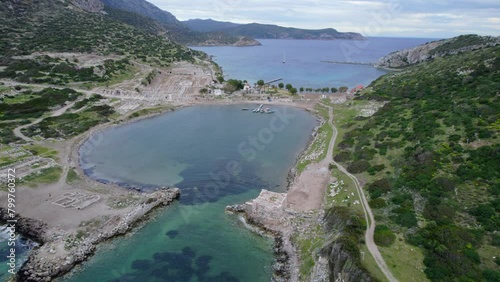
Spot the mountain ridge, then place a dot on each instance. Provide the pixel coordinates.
(168, 25)
(270, 31)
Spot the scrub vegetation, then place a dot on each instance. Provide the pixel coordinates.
(431, 156)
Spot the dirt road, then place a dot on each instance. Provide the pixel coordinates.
(370, 220)
(56, 113)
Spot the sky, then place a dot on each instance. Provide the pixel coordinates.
(400, 18)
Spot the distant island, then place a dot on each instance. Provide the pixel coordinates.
(268, 31)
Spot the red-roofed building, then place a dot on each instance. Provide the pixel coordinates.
(356, 89)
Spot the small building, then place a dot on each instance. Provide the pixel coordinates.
(218, 92)
(247, 87)
(356, 89)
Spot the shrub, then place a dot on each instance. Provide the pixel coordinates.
(383, 236)
(405, 217)
(342, 156)
(379, 187)
(454, 137)
(487, 216)
(377, 203)
(495, 241)
(358, 166)
(374, 169)
(491, 275)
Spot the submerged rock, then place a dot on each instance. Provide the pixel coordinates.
(172, 234)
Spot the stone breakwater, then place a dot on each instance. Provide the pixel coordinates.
(56, 257)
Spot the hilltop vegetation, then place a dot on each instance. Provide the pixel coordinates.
(152, 19)
(51, 26)
(432, 156)
(436, 49)
(30, 104)
(44, 69)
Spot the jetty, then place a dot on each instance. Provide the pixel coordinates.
(274, 80)
(261, 110)
(349, 63)
(257, 110)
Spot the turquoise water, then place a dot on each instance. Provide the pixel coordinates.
(303, 67)
(218, 156)
(22, 245)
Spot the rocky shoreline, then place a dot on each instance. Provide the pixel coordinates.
(274, 220)
(292, 173)
(60, 251)
(267, 213)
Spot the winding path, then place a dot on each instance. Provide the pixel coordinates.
(370, 219)
(56, 113)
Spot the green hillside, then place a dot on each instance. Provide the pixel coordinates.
(50, 25)
(431, 156)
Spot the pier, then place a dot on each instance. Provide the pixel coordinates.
(349, 63)
(274, 80)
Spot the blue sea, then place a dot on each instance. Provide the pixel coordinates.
(303, 65)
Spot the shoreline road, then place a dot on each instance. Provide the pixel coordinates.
(370, 219)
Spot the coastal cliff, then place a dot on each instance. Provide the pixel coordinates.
(435, 49)
(337, 258)
(342, 252)
(61, 251)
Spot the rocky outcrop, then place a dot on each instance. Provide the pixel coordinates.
(146, 9)
(341, 264)
(29, 227)
(57, 257)
(406, 57)
(338, 260)
(342, 255)
(436, 49)
(247, 41)
(93, 6)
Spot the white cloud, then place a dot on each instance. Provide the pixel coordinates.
(419, 18)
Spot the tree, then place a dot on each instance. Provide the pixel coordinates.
(233, 85)
(343, 89)
(334, 90)
(281, 85)
(220, 79)
(288, 86)
(293, 91)
(260, 82)
(301, 89)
